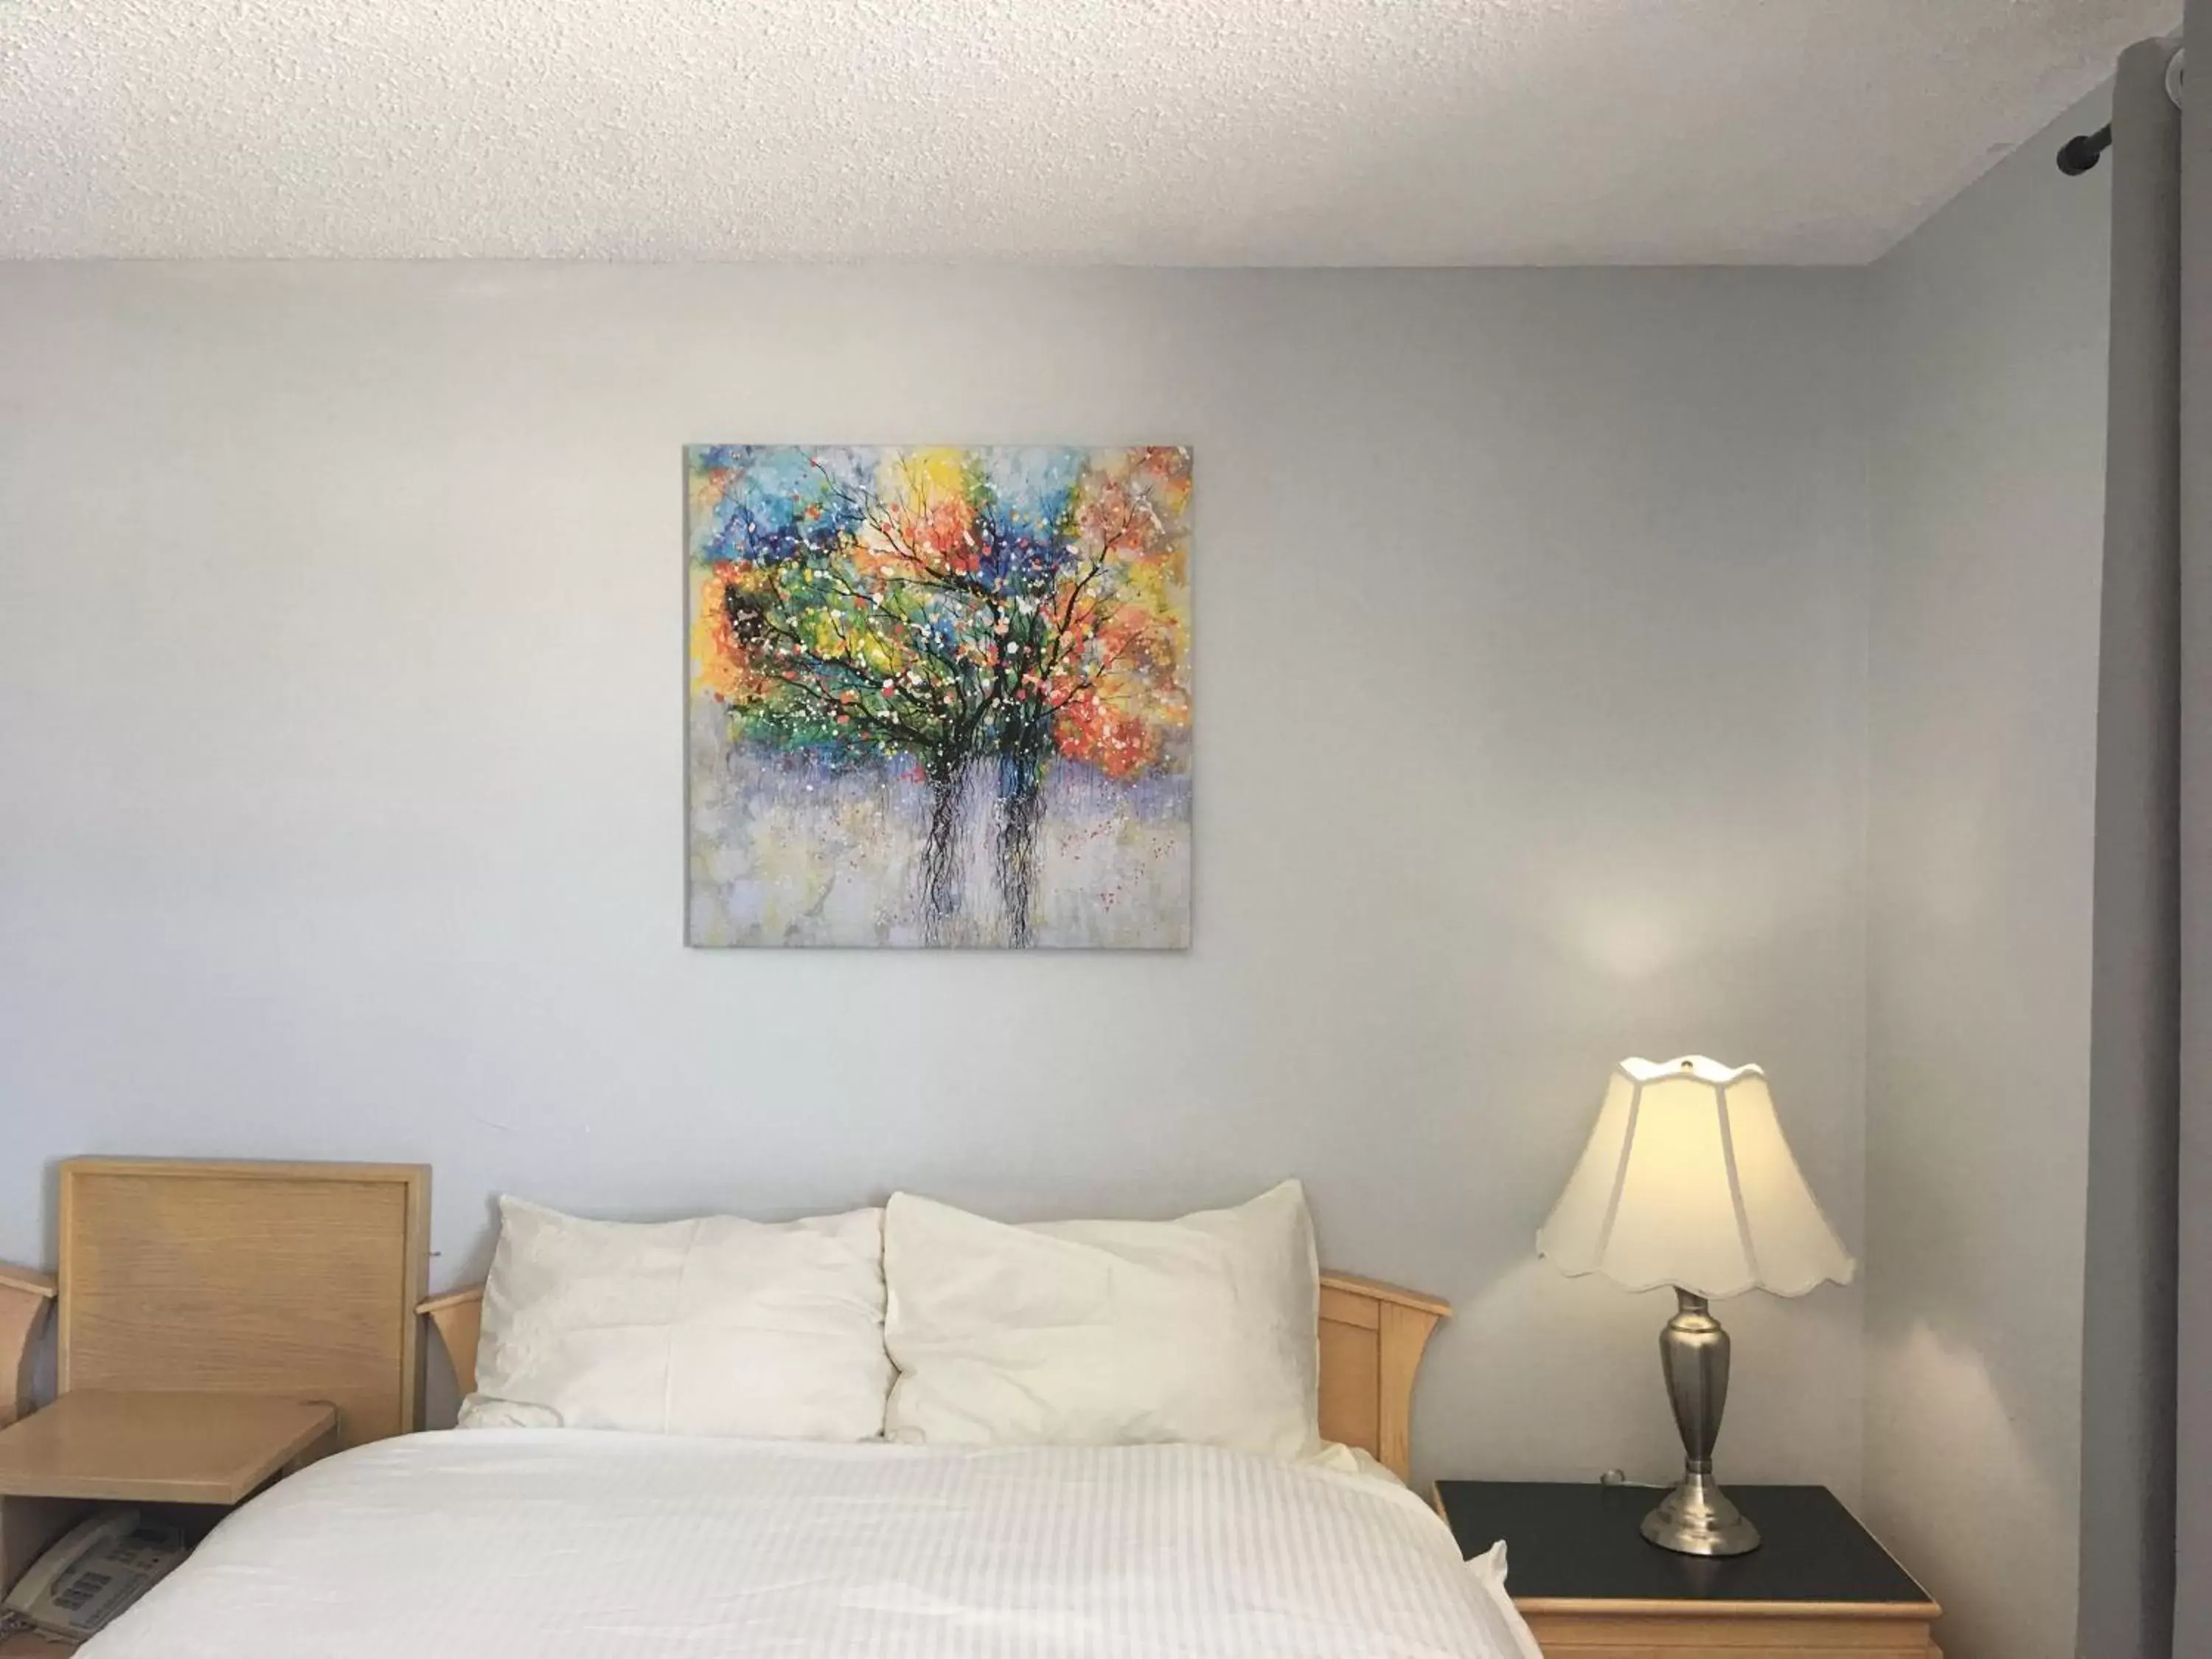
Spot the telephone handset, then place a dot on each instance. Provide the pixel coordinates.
(99, 1567)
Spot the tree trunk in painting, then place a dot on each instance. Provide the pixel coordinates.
(1021, 787)
(940, 852)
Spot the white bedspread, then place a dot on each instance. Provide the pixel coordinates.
(531, 1544)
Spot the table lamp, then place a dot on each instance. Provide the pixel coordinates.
(1688, 1182)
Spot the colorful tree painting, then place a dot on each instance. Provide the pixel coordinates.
(940, 696)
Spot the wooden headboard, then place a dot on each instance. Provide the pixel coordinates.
(1371, 1338)
(287, 1279)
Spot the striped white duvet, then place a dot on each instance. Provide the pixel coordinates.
(526, 1544)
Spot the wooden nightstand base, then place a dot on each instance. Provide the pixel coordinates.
(31, 1645)
(1630, 1630)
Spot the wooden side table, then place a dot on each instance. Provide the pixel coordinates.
(148, 1447)
(1591, 1587)
(92, 1446)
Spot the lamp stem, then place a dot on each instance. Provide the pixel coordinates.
(1696, 1517)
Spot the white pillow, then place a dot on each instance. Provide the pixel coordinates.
(712, 1327)
(1105, 1333)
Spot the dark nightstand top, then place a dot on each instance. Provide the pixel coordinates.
(1578, 1541)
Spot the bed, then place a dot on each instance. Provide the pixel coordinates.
(560, 1544)
(527, 1544)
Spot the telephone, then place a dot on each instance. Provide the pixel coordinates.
(99, 1567)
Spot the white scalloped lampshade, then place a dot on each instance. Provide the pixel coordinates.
(1687, 1181)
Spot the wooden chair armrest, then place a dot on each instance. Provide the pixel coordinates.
(31, 1280)
(24, 1295)
(458, 1316)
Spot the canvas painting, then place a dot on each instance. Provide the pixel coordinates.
(940, 696)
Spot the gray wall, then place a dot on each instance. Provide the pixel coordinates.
(341, 665)
(1988, 491)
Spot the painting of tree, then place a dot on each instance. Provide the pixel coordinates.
(940, 696)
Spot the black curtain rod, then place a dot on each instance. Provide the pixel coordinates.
(2077, 155)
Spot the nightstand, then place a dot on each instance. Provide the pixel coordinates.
(1590, 1586)
(161, 1448)
(189, 1456)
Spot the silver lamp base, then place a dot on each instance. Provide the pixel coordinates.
(1697, 1518)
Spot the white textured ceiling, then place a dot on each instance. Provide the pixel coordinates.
(1148, 131)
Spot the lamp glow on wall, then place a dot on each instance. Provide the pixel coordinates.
(1688, 1182)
